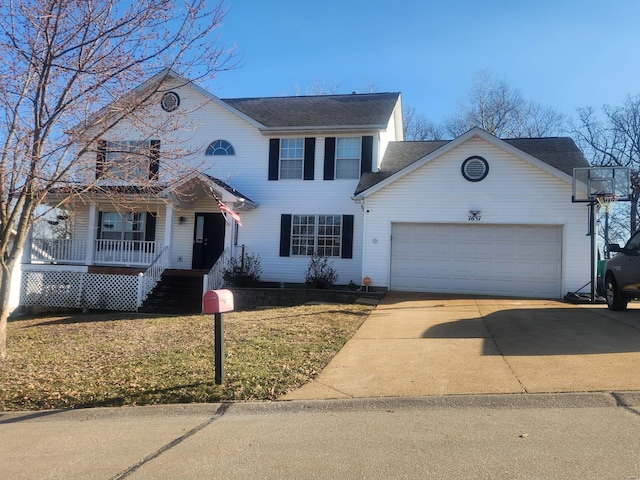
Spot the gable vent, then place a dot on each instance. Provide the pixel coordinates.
(170, 101)
(475, 168)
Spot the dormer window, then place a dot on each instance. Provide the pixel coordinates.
(220, 147)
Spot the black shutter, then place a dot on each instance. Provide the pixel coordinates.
(274, 158)
(285, 235)
(367, 154)
(309, 157)
(329, 158)
(101, 158)
(347, 236)
(150, 227)
(150, 230)
(154, 164)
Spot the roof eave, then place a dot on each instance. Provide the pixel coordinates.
(321, 128)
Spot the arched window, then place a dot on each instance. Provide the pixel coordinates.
(220, 147)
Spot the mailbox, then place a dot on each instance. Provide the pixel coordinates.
(217, 301)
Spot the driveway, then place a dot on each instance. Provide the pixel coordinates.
(424, 344)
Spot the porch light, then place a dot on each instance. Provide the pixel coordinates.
(181, 220)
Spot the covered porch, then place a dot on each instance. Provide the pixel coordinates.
(171, 231)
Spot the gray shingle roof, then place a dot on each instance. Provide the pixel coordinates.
(362, 109)
(558, 152)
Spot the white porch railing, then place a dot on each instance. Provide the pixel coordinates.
(52, 250)
(124, 252)
(106, 252)
(215, 279)
(149, 279)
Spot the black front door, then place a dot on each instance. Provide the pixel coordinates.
(208, 240)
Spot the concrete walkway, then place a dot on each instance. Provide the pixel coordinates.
(422, 344)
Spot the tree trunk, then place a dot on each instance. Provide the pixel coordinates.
(5, 293)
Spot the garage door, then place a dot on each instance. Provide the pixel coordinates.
(518, 260)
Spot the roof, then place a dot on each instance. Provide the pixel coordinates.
(560, 153)
(355, 110)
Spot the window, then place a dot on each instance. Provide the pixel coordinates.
(330, 235)
(348, 157)
(316, 233)
(128, 159)
(116, 226)
(291, 158)
(220, 147)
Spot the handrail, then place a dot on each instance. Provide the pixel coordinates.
(214, 279)
(149, 279)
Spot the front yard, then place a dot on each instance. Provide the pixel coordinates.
(114, 359)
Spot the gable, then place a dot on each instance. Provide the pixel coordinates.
(557, 156)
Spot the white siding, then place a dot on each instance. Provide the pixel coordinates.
(514, 192)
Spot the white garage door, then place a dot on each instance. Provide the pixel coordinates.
(518, 260)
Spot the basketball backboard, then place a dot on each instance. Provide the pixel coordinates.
(589, 183)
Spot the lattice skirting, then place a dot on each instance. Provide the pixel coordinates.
(79, 290)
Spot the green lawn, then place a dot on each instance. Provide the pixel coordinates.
(113, 359)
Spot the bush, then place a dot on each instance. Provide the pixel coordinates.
(243, 271)
(320, 272)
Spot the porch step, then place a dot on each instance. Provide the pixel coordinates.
(177, 292)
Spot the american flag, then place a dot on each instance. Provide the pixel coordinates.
(224, 208)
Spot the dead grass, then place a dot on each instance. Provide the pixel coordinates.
(114, 359)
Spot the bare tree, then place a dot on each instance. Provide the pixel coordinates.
(63, 60)
(497, 108)
(417, 126)
(612, 138)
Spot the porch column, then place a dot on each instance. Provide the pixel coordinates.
(168, 231)
(91, 235)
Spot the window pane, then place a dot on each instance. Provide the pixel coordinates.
(127, 159)
(130, 226)
(348, 157)
(291, 158)
(303, 235)
(329, 235)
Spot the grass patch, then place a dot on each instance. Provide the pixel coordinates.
(114, 359)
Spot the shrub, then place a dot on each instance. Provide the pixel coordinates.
(243, 271)
(320, 272)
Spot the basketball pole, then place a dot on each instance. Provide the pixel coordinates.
(594, 246)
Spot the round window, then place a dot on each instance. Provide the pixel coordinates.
(170, 101)
(475, 168)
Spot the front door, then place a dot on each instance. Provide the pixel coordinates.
(208, 240)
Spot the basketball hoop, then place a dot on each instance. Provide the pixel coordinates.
(606, 202)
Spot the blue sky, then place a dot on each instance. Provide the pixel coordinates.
(563, 53)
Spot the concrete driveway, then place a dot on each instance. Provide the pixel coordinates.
(424, 344)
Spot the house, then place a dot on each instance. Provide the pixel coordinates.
(327, 174)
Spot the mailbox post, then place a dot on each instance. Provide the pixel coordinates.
(218, 302)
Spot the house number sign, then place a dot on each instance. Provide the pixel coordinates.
(474, 215)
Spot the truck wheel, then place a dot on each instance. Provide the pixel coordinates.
(616, 301)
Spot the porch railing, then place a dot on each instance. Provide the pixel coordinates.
(124, 252)
(106, 252)
(63, 250)
(215, 278)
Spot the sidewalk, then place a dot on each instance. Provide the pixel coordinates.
(559, 436)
